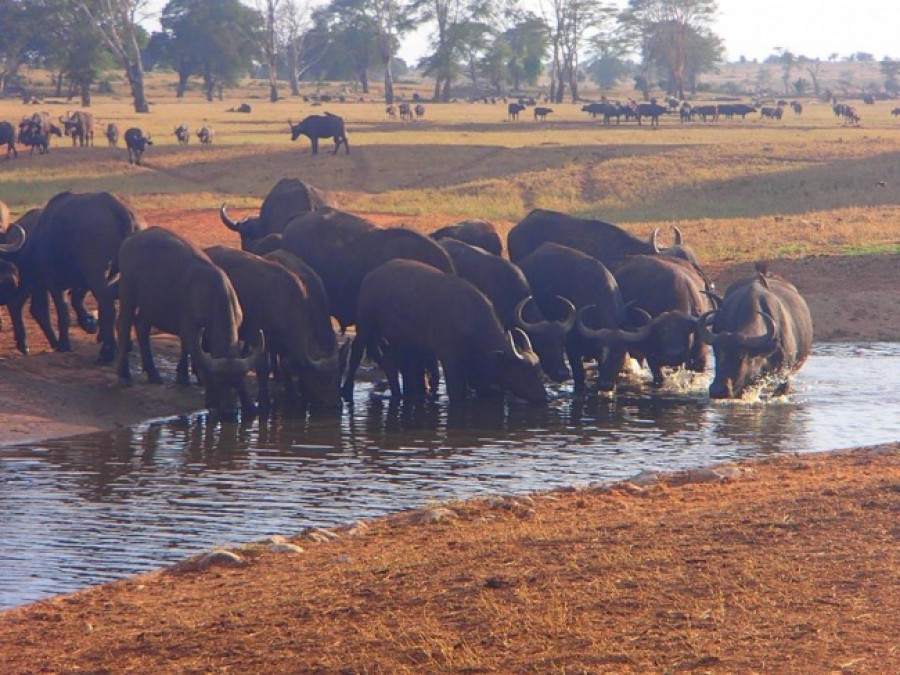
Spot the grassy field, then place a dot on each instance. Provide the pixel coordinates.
(739, 189)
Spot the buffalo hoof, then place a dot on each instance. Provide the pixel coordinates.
(88, 324)
(107, 354)
(23, 349)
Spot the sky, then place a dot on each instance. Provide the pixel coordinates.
(754, 28)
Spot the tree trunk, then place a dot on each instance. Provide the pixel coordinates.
(387, 61)
(437, 89)
(364, 80)
(136, 79)
(59, 83)
(183, 77)
(85, 94)
(292, 68)
(445, 95)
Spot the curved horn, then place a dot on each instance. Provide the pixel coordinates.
(760, 342)
(714, 298)
(511, 336)
(610, 335)
(518, 313)
(17, 242)
(678, 237)
(208, 363)
(703, 331)
(256, 350)
(229, 223)
(654, 240)
(569, 321)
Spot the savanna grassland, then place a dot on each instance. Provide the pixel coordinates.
(784, 565)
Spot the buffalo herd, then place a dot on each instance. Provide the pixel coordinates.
(571, 292)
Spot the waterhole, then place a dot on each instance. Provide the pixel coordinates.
(92, 508)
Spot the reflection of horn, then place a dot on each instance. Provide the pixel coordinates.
(229, 223)
(15, 243)
(610, 335)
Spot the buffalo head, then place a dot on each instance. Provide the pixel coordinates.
(740, 357)
(548, 338)
(224, 378)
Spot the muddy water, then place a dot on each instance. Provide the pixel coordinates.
(92, 508)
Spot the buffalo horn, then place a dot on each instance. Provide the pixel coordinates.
(519, 311)
(221, 365)
(761, 342)
(257, 349)
(753, 343)
(678, 238)
(610, 335)
(16, 242)
(569, 321)
(512, 335)
(654, 240)
(714, 298)
(229, 223)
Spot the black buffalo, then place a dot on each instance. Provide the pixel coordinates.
(419, 110)
(513, 110)
(315, 127)
(8, 137)
(506, 287)
(136, 143)
(422, 313)
(651, 110)
(294, 319)
(673, 296)
(183, 134)
(169, 284)
(554, 271)
(288, 198)
(112, 134)
(608, 243)
(35, 132)
(206, 135)
(762, 330)
(476, 232)
(12, 238)
(74, 245)
(406, 112)
(80, 126)
(706, 112)
(541, 113)
(771, 113)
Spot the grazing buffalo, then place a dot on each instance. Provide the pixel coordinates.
(423, 313)
(80, 126)
(112, 134)
(419, 110)
(206, 135)
(554, 271)
(288, 198)
(513, 110)
(476, 232)
(293, 319)
(762, 330)
(315, 127)
(183, 134)
(506, 287)
(8, 138)
(673, 295)
(541, 113)
(651, 110)
(771, 113)
(74, 245)
(606, 242)
(342, 249)
(169, 284)
(136, 143)
(594, 109)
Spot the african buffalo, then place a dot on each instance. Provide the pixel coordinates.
(555, 271)
(183, 134)
(406, 112)
(35, 131)
(206, 135)
(672, 294)
(608, 243)
(315, 127)
(80, 126)
(12, 238)
(288, 198)
(112, 134)
(594, 109)
(761, 331)
(503, 283)
(541, 113)
(136, 143)
(419, 110)
(74, 245)
(771, 113)
(476, 232)
(169, 284)
(423, 313)
(651, 110)
(513, 110)
(706, 112)
(293, 319)
(8, 138)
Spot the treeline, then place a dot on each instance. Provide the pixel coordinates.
(488, 47)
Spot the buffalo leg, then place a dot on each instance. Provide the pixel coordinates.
(40, 311)
(315, 144)
(123, 327)
(14, 309)
(63, 319)
(86, 320)
(577, 367)
(356, 353)
(106, 309)
(455, 377)
(262, 380)
(142, 328)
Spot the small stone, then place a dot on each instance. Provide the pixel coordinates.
(220, 558)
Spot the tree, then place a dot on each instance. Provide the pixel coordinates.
(528, 43)
(295, 30)
(116, 21)
(788, 62)
(813, 66)
(269, 10)
(20, 30)
(890, 70)
(663, 30)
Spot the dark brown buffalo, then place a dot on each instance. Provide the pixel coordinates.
(421, 311)
(608, 243)
(169, 284)
(136, 143)
(555, 271)
(112, 134)
(315, 127)
(671, 292)
(293, 319)
(35, 131)
(12, 239)
(476, 232)
(74, 246)
(507, 288)
(206, 135)
(289, 197)
(80, 126)
(183, 134)
(8, 137)
(762, 330)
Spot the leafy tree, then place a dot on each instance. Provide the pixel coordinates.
(890, 70)
(569, 22)
(607, 67)
(528, 44)
(663, 30)
(20, 24)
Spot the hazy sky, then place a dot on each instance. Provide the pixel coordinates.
(754, 28)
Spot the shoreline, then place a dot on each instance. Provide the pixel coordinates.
(737, 518)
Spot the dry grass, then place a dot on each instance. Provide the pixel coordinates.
(787, 565)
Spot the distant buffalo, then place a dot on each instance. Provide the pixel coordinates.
(136, 143)
(321, 126)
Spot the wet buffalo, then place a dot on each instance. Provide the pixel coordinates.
(288, 198)
(293, 317)
(762, 330)
(315, 127)
(476, 232)
(169, 284)
(506, 287)
(422, 313)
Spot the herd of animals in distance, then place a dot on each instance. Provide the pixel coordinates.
(569, 291)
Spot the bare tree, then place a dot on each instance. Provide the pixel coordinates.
(293, 23)
(116, 21)
(269, 9)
